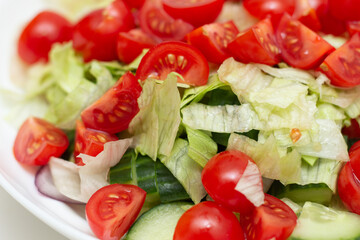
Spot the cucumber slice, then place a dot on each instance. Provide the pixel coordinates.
(158, 223)
(317, 222)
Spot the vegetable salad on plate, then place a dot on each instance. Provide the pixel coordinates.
(210, 119)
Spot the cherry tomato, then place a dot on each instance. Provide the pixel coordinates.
(113, 112)
(349, 188)
(301, 47)
(89, 141)
(353, 27)
(40, 34)
(354, 154)
(220, 177)
(320, 6)
(37, 141)
(263, 8)
(130, 44)
(95, 35)
(346, 10)
(156, 22)
(272, 220)
(208, 221)
(135, 3)
(212, 40)
(113, 209)
(256, 45)
(307, 15)
(195, 12)
(352, 131)
(178, 57)
(342, 66)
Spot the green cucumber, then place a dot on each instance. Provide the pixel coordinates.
(158, 223)
(317, 222)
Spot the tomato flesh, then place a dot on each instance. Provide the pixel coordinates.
(256, 45)
(208, 221)
(272, 220)
(264, 8)
(300, 46)
(307, 15)
(177, 57)
(113, 112)
(40, 34)
(95, 35)
(220, 177)
(37, 141)
(342, 66)
(353, 27)
(112, 210)
(349, 188)
(90, 142)
(212, 40)
(195, 12)
(135, 3)
(156, 22)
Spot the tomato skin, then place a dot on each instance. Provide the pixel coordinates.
(208, 221)
(346, 10)
(197, 13)
(341, 66)
(89, 141)
(220, 176)
(212, 40)
(256, 45)
(185, 60)
(113, 112)
(157, 23)
(130, 44)
(37, 140)
(112, 210)
(263, 8)
(37, 38)
(272, 220)
(135, 3)
(354, 154)
(352, 131)
(300, 46)
(349, 188)
(95, 35)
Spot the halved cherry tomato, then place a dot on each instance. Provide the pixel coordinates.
(177, 57)
(349, 188)
(40, 34)
(300, 46)
(195, 12)
(95, 35)
(134, 3)
(342, 66)
(256, 45)
(112, 210)
(113, 112)
(130, 44)
(89, 141)
(272, 220)
(37, 141)
(354, 154)
(220, 177)
(346, 10)
(307, 15)
(208, 221)
(353, 27)
(156, 22)
(264, 8)
(212, 40)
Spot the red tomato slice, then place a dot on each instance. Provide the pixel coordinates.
(272, 220)
(353, 27)
(135, 3)
(212, 40)
(263, 8)
(208, 221)
(156, 22)
(220, 177)
(112, 210)
(342, 66)
(354, 154)
(37, 141)
(346, 10)
(256, 45)
(178, 57)
(300, 46)
(113, 112)
(349, 188)
(307, 15)
(89, 141)
(40, 34)
(95, 35)
(195, 12)
(130, 44)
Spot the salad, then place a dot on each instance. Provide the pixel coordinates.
(172, 119)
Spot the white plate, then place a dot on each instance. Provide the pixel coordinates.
(18, 180)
